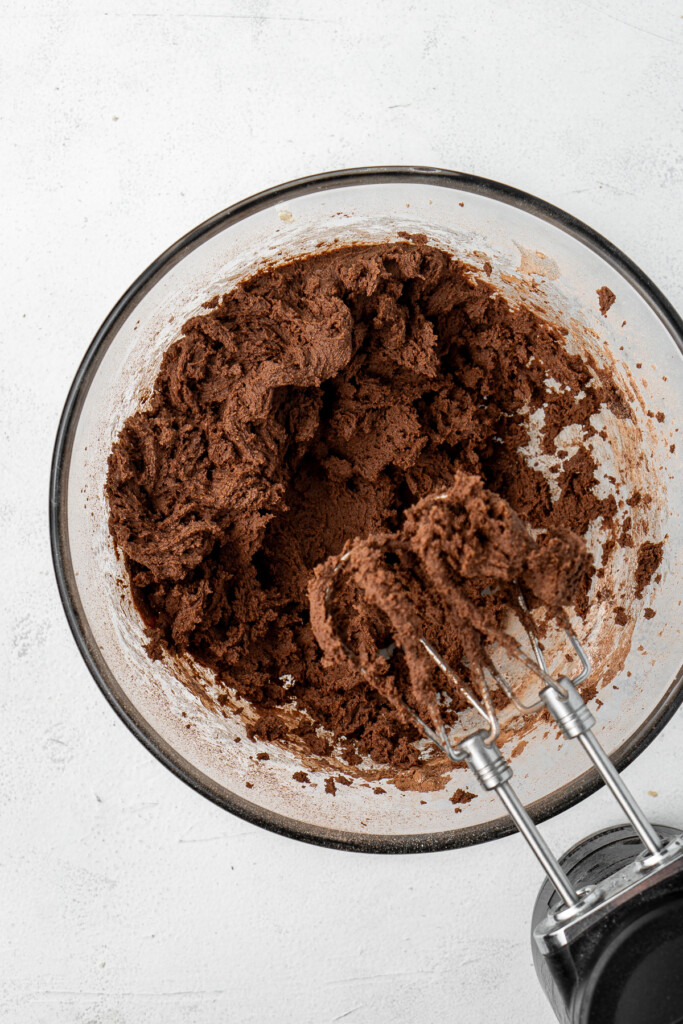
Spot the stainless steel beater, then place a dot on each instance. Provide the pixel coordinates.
(568, 709)
(644, 882)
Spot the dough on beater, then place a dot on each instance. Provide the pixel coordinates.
(427, 580)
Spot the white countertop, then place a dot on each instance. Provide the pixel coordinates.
(126, 898)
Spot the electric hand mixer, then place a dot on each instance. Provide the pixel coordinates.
(607, 935)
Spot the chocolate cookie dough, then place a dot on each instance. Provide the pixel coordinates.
(606, 299)
(649, 561)
(312, 404)
(452, 574)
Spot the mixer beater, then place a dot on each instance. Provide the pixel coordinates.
(603, 889)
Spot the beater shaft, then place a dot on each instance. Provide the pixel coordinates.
(623, 795)
(537, 843)
(576, 722)
(493, 772)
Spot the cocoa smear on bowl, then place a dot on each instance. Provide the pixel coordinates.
(314, 403)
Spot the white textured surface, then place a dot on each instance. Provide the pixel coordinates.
(126, 898)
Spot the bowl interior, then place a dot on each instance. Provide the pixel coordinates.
(535, 261)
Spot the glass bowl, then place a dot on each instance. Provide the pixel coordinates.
(540, 255)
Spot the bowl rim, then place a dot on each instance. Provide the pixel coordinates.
(546, 807)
